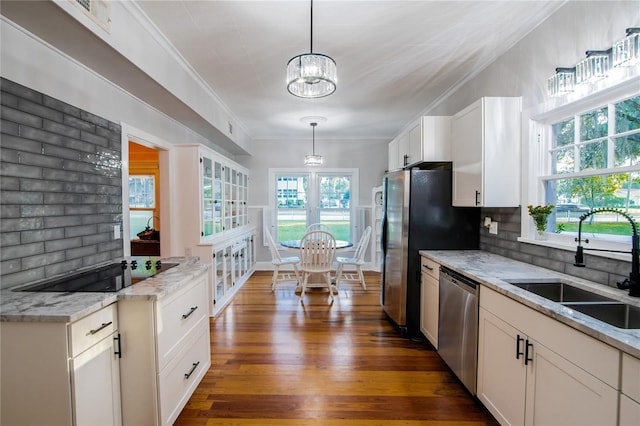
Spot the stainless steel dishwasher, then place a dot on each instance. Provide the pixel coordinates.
(458, 326)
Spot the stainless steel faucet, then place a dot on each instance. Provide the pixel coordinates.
(633, 282)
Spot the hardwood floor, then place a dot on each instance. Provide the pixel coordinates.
(276, 361)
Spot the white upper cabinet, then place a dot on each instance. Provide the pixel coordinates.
(212, 197)
(429, 139)
(485, 152)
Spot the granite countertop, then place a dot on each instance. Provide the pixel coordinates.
(22, 306)
(491, 270)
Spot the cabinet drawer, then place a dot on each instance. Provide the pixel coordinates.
(91, 329)
(430, 267)
(631, 377)
(177, 316)
(178, 381)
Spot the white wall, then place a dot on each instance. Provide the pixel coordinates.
(369, 157)
(560, 41)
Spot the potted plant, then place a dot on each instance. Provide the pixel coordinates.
(540, 214)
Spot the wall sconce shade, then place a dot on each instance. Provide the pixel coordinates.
(594, 67)
(562, 81)
(626, 52)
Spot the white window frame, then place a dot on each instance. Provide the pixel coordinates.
(313, 196)
(536, 165)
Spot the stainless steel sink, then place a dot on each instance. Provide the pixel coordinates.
(617, 314)
(605, 309)
(560, 292)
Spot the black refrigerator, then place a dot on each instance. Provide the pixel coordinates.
(418, 215)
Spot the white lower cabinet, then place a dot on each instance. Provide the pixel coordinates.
(429, 299)
(534, 370)
(630, 392)
(232, 263)
(96, 385)
(57, 373)
(166, 352)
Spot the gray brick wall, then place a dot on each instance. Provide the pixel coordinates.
(60, 187)
(598, 269)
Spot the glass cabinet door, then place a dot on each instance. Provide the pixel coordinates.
(227, 198)
(234, 199)
(217, 197)
(207, 198)
(218, 276)
(228, 269)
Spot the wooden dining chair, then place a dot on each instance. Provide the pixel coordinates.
(317, 252)
(318, 227)
(356, 261)
(278, 261)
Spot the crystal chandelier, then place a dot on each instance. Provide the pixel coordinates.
(311, 75)
(313, 159)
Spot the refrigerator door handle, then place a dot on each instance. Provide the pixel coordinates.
(383, 242)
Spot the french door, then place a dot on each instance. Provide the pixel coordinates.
(301, 198)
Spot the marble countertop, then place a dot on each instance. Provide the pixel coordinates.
(492, 270)
(22, 306)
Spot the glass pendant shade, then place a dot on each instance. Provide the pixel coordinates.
(594, 67)
(626, 52)
(562, 82)
(313, 159)
(311, 75)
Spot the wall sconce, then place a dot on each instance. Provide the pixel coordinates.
(562, 82)
(626, 52)
(594, 67)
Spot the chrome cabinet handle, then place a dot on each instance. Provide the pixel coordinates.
(195, 365)
(188, 314)
(103, 326)
(477, 195)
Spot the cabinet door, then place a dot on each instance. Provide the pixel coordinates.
(208, 206)
(415, 144)
(436, 138)
(403, 150)
(96, 385)
(393, 154)
(466, 153)
(560, 393)
(430, 296)
(629, 411)
(228, 270)
(217, 197)
(501, 372)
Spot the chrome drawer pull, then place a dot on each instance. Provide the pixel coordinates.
(95, 330)
(187, 315)
(195, 365)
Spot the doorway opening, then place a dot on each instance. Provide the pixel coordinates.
(144, 200)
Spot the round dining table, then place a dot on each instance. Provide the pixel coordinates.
(295, 244)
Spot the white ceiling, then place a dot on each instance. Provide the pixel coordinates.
(395, 59)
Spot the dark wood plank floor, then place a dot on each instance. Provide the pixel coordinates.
(276, 361)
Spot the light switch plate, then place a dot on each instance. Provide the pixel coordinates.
(116, 232)
(493, 229)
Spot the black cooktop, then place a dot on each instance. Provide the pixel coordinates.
(108, 278)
